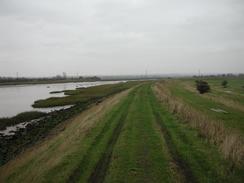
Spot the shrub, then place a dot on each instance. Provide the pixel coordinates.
(202, 86)
(224, 83)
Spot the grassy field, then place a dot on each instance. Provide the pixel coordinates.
(216, 99)
(132, 137)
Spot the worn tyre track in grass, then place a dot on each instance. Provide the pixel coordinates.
(112, 129)
(99, 173)
(138, 155)
(182, 165)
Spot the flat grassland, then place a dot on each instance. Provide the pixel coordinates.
(158, 131)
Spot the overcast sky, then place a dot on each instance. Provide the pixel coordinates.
(112, 37)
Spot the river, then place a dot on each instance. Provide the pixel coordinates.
(19, 98)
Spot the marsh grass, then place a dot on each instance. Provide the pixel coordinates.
(81, 95)
(20, 118)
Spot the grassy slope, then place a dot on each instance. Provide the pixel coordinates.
(234, 118)
(137, 141)
(204, 161)
(56, 158)
(9, 148)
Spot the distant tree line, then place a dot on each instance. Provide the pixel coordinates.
(221, 75)
(43, 79)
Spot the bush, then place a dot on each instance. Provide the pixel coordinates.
(202, 86)
(224, 83)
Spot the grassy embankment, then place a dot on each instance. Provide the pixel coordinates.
(223, 129)
(10, 147)
(233, 118)
(137, 140)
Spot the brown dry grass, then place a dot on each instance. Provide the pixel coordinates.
(230, 142)
(62, 142)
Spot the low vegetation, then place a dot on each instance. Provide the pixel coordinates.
(81, 95)
(22, 117)
(145, 137)
(54, 92)
(202, 86)
(224, 84)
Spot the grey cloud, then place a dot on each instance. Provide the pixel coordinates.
(120, 36)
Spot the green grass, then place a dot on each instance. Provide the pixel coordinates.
(234, 118)
(83, 95)
(137, 141)
(22, 117)
(203, 159)
(234, 84)
(234, 90)
(139, 155)
(85, 155)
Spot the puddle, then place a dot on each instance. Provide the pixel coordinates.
(51, 109)
(219, 110)
(10, 130)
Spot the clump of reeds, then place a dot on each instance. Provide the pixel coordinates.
(230, 143)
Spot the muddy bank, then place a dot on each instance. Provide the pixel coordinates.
(23, 138)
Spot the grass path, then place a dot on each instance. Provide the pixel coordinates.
(138, 155)
(176, 154)
(101, 146)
